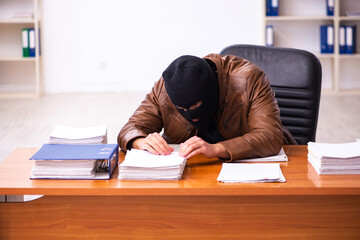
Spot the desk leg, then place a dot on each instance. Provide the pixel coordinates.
(182, 217)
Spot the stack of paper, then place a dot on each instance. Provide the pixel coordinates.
(280, 157)
(64, 161)
(331, 158)
(74, 135)
(63, 169)
(142, 165)
(250, 172)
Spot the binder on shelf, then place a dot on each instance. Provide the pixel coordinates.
(25, 42)
(350, 35)
(342, 42)
(63, 161)
(272, 8)
(269, 35)
(327, 39)
(330, 7)
(31, 42)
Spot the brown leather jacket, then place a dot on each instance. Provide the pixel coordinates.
(248, 116)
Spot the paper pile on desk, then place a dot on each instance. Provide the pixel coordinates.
(280, 157)
(65, 161)
(142, 165)
(332, 158)
(63, 169)
(250, 172)
(75, 135)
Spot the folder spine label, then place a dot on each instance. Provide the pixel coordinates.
(269, 34)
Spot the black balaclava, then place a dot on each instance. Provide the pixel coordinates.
(188, 80)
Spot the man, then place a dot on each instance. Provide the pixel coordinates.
(219, 106)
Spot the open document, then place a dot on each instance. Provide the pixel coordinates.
(250, 172)
(143, 165)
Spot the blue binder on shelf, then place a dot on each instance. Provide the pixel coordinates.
(342, 40)
(272, 8)
(327, 39)
(63, 161)
(31, 42)
(269, 35)
(330, 7)
(350, 39)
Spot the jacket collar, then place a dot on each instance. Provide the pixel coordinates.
(222, 77)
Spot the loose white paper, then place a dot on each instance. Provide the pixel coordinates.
(254, 172)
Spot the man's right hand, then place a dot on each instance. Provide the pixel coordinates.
(153, 143)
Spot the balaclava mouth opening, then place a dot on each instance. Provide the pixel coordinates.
(189, 80)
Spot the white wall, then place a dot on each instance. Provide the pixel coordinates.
(116, 45)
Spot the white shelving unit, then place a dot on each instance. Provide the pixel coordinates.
(19, 76)
(298, 26)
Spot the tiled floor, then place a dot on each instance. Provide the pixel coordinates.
(29, 122)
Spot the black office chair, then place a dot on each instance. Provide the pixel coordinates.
(295, 76)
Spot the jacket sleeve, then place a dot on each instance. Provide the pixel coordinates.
(265, 134)
(145, 120)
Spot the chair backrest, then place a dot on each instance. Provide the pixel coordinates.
(295, 76)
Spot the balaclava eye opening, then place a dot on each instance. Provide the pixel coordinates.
(188, 80)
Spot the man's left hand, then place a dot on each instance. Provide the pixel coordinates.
(196, 145)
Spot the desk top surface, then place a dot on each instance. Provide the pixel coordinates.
(199, 178)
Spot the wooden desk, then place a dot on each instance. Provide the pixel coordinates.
(307, 206)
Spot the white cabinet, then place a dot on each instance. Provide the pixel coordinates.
(298, 26)
(19, 76)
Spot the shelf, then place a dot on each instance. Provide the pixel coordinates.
(311, 18)
(17, 20)
(323, 55)
(299, 18)
(19, 59)
(291, 28)
(340, 56)
(18, 95)
(349, 56)
(20, 76)
(347, 18)
(12, 90)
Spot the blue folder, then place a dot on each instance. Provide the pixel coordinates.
(350, 38)
(327, 39)
(107, 152)
(330, 7)
(342, 39)
(272, 8)
(31, 42)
